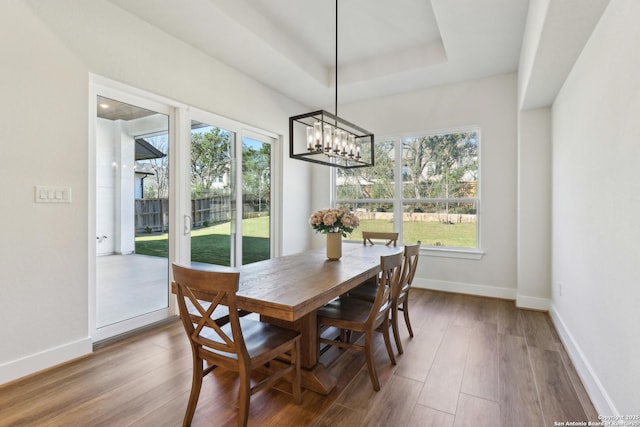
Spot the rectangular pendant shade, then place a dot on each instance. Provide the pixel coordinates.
(323, 138)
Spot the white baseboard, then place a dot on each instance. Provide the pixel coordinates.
(599, 396)
(18, 368)
(533, 303)
(466, 288)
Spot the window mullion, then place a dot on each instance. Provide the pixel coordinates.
(398, 199)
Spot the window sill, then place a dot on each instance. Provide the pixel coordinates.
(452, 253)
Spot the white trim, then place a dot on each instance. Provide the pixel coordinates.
(466, 288)
(128, 93)
(596, 391)
(532, 303)
(452, 253)
(19, 368)
(128, 325)
(182, 189)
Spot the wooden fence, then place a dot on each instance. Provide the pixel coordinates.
(152, 215)
(210, 210)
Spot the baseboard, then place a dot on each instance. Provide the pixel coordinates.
(533, 303)
(599, 397)
(466, 288)
(33, 363)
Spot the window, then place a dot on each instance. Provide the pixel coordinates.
(424, 186)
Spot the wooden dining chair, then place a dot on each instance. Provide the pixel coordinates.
(399, 299)
(239, 344)
(370, 286)
(356, 315)
(372, 237)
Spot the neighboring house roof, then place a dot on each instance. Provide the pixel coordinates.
(146, 151)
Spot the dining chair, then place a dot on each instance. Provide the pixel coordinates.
(371, 237)
(239, 344)
(399, 300)
(356, 315)
(370, 286)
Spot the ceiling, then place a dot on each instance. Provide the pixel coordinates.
(384, 47)
(111, 109)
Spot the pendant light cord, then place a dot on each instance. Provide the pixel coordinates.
(336, 82)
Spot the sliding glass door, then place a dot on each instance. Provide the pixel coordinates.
(230, 192)
(172, 184)
(132, 143)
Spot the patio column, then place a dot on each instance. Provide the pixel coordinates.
(124, 191)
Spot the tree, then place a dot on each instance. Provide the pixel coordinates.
(160, 167)
(374, 182)
(439, 166)
(256, 173)
(210, 158)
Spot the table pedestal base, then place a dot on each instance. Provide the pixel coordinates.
(318, 379)
(314, 375)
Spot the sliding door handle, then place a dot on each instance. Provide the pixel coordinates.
(187, 225)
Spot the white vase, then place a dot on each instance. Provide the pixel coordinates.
(334, 246)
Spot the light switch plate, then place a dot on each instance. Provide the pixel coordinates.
(52, 194)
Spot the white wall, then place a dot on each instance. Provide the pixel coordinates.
(490, 103)
(534, 209)
(47, 51)
(43, 248)
(595, 205)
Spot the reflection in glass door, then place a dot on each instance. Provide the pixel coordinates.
(132, 215)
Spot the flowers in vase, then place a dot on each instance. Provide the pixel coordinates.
(337, 220)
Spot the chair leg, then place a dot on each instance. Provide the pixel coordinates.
(387, 340)
(244, 394)
(368, 349)
(394, 325)
(196, 385)
(345, 336)
(405, 311)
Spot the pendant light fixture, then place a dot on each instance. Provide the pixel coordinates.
(324, 138)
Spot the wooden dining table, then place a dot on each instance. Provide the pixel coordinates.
(287, 291)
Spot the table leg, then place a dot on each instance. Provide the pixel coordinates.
(315, 376)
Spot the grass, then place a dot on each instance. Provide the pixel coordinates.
(211, 244)
(461, 235)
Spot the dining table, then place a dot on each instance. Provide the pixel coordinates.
(288, 290)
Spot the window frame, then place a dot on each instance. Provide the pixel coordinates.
(398, 201)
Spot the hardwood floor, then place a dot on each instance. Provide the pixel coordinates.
(473, 362)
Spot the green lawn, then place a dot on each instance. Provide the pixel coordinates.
(429, 233)
(211, 244)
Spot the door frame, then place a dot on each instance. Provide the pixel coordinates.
(105, 87)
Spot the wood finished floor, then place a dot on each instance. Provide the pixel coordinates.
(473, 362)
